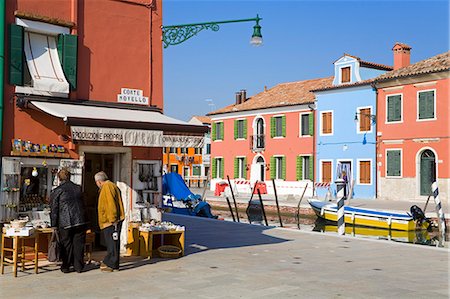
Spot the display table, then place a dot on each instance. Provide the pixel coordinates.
(146, 243)
(18, 250)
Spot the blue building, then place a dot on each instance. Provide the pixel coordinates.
(346, 126)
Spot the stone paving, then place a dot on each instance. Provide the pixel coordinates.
(234, 260)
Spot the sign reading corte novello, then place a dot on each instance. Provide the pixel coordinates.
(132, 96)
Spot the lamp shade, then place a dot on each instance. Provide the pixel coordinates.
(256, 39)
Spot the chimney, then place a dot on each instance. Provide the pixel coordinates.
(402, 55)
(265, 87)
(243, 95)
(238, 98)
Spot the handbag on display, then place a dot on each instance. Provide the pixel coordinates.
(54, 254)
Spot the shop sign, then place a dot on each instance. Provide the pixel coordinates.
(132, 96)
(97, 134)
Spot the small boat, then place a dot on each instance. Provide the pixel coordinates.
(368, 217)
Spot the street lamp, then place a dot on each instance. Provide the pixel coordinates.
(176, 34)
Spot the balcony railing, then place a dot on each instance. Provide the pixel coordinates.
(258, 142)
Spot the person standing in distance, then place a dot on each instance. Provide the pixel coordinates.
(68, 217)
(110, 217)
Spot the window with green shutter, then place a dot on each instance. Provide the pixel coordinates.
(222, 168)
(245, 129)
(393, 163)
(299, 168)
(214, 168)
(311, 124)
(278, 126)
(311, 168)
(240, 130)
(283, 125)
(236, 168)
(196, 170)
(394, 108)
(213, 132)
(283, 168)
(273, 168)
(16, 54)
(67, 51)
(426, 104)
(272, 127)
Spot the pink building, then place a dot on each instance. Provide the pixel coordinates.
(413, 127)
(267, 136)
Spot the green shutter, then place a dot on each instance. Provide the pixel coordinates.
(213, 168)
(236, 130)
(236, 168)
(15, 53)
(426, 105)
(393, 163)
(273, 168)
(222, 168)
(299, 167)
(283, 120)
(311, 124)
(245, 166)
(272, 127)
(283, 164)
(213, 132)
(311, 168)
(67, 50)
(394, 108)
(222, 129)
(245, 128)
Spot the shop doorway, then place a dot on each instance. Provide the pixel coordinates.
(94, 163)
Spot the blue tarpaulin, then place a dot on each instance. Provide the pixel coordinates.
(173, 184)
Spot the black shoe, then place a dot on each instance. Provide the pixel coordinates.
(65, 270)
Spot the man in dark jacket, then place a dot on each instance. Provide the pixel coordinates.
(68, 217)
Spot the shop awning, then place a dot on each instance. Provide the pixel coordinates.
(115, 117)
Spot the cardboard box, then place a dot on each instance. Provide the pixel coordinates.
(19, 232)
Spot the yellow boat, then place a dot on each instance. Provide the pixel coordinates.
(367, 217)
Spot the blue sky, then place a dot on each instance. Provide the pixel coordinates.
(301, 41)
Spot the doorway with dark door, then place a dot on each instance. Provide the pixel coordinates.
(93, 164)
(427, 171)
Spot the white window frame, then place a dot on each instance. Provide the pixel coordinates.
(302, 175)
(320, 169)
(321, 123)
(218, 166)
(387, 109)
(188, 171)
(434, 103)
(358, 123)
(241, 167)
(300, 124)
(173, 164)
(217, 139)
(358, 176)
(280, 116)
(243, 128)
(386, 166)
(279, 166)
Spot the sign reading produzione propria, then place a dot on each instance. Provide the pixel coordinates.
(132, 96)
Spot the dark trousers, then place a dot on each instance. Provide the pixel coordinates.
(112, 246)
(72, 247)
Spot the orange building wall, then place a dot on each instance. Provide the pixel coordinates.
(171, 159)
(290, 146)
(411, 129)
(109, 58)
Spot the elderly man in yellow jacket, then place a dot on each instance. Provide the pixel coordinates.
(110, 217)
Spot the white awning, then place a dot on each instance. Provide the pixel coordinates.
(132, 127)
(43, 62)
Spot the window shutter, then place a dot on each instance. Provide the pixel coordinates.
(283, 126)
(272, 127)
(15, 53)
(430, 104)
(426, 105)
(67, 50)
(311, 124)
(283, 171)
(273, 168)
(397, 108)
(236, 168)
(245, 128)
(393, 163)
(236, 129)
(222, 128)
(214, 168)
(213, 132)
(390, 114)
(222, 169)
(245, 166)
(311, 168)
(299, 167)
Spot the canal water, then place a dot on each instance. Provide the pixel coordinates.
(310, 222)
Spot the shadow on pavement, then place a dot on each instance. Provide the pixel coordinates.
(204, 234)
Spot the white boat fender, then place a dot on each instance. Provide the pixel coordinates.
(321, 211)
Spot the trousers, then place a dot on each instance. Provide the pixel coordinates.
(112, 246)
(72, 247)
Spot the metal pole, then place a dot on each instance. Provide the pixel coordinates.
(249, 202)
(276, 201)
(262, 207)
(231, 209)
(298, 206)
(439, 212)
(234, 199)
(426, 204)
(341, 216)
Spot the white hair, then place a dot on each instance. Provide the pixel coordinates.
(100, 176)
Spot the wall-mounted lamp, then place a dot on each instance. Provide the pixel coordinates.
(247, 167)
(373, 117)
(267, 166)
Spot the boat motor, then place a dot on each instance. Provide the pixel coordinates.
(419, 216)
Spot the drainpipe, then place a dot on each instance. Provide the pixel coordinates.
(2, 70)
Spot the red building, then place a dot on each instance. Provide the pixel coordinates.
(83, 92)
(413, 127)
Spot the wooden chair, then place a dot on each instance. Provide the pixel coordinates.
(19, 249)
